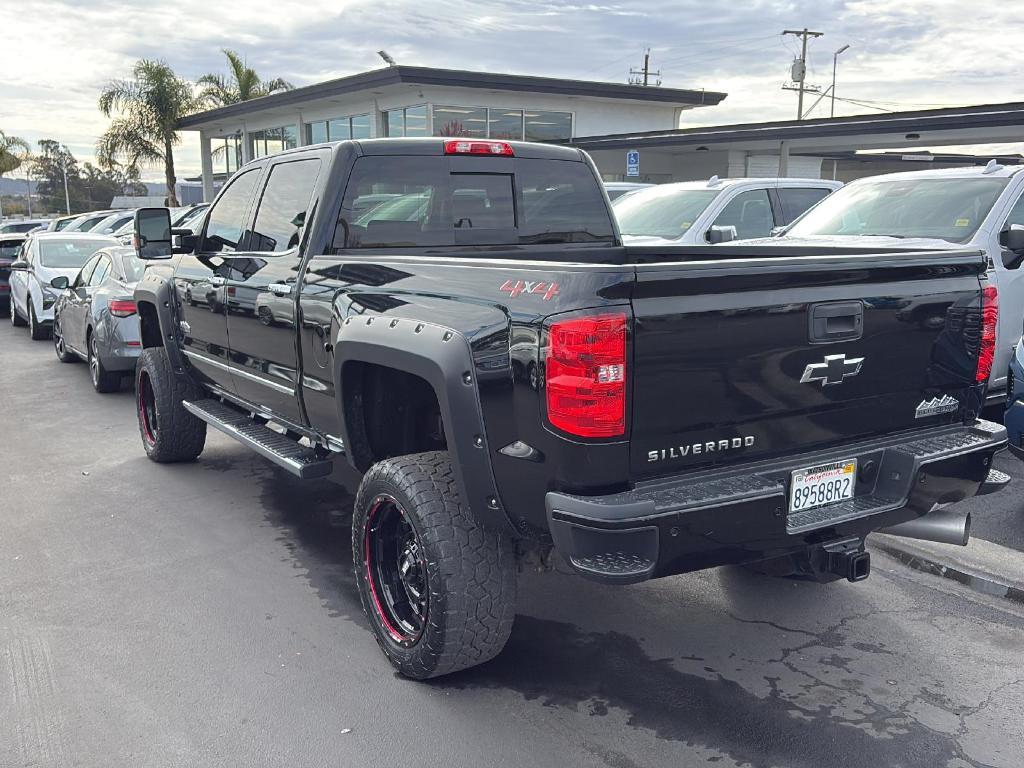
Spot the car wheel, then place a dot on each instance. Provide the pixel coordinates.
(103, 381)
(169, 432)
(63, 353)
(36, 330)
(438, 588)
(265, 316)
(16, 320)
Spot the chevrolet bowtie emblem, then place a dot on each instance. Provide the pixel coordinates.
(832, 371)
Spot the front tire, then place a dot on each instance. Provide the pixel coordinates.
(169, 432)
(16, 320)
(36, 330)
(63, 353)
(103, 381)
(438, 588)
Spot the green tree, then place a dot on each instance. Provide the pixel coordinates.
(48, 167)
(13, 152)
(149, 106)
(240, 84)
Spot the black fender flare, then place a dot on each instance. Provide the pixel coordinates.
(442, 357)
(158, 291)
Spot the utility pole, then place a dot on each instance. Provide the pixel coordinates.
(800, 68)
(67, 198)
(643, 75)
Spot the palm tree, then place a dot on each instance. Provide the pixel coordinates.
(13, 152)
(240, 84)
(145, 131)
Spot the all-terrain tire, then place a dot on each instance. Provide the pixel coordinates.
(470, 570)
(169, 432)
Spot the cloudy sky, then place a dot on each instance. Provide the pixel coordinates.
(904, 54)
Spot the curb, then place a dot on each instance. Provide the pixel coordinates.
(977, 566)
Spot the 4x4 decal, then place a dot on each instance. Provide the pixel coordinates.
(516, 288)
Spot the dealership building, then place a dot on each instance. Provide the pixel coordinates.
(421, 101)
(608, 120)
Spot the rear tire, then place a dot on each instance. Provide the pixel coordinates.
(169, 432)
(16, 320)
(103, 381)
(438, 588)
(36, 330)
(63, 353)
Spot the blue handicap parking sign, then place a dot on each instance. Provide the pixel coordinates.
(633, 163)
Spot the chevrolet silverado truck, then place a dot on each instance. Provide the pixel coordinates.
(459, 320)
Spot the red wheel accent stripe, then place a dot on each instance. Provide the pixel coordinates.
(395, 634)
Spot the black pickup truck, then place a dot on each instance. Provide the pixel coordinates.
(458, 320)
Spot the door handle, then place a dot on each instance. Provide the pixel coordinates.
(280, 289)
(216, 281)
(835, 321)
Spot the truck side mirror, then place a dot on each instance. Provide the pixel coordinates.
(1012, 240)
(722, 234)
(184, 240)
(152, 233)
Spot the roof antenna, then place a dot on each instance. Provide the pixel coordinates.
(714, 180)
(992, 166)
(387, 58)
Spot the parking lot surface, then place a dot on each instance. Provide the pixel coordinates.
(205, 615)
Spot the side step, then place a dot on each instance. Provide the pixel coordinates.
(280, 449)
(995, 481)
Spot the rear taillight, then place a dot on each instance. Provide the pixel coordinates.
(989, 318)
(585, 375)
(469, 147)
(121, 307)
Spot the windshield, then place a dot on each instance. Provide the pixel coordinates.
(9, 248)
(68, 254)
(133, 267)
(661, 212)
(946, 209)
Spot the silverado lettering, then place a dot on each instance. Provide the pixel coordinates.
(682, 451)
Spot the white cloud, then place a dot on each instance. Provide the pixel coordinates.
(57, 55)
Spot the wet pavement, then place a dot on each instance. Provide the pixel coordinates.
(205, 615)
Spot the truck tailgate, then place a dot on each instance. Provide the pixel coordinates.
(737, 359)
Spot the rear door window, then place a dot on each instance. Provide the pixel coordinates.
(283, 206)
(796, 200)
(101, 271)
(396, 201)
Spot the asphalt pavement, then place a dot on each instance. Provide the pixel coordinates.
(205, 615)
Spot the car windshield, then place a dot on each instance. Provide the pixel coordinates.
(946, 209)
(661, 211)
(133, 267)
(69, 254)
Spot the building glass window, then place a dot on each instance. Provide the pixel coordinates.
(316, 132)
(226, 154)
(411, 121)
(505, 124)
(272, 140)
(460, 121)
(548, 126)
(339, 129)
(360, 126)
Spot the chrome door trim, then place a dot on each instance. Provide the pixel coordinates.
(240, 372)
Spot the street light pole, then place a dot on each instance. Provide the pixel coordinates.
(67, 199)
(835, 61)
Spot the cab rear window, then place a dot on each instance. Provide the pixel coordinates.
(402, 202)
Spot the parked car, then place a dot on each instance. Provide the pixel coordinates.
(22, 226)
(979, 207)
(44, 256)
(10, 247)
(113, 222)
(685, 411)
(94, 317)
(717, 210)
(190, 218)
(61, 223)
(87, 221)
(617, 189)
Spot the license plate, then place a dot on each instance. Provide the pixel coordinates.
(822, 485)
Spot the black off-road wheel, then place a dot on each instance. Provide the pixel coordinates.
(16, 320)
(103, 381)
(64, 354)
(438, 588)
(169, 432)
